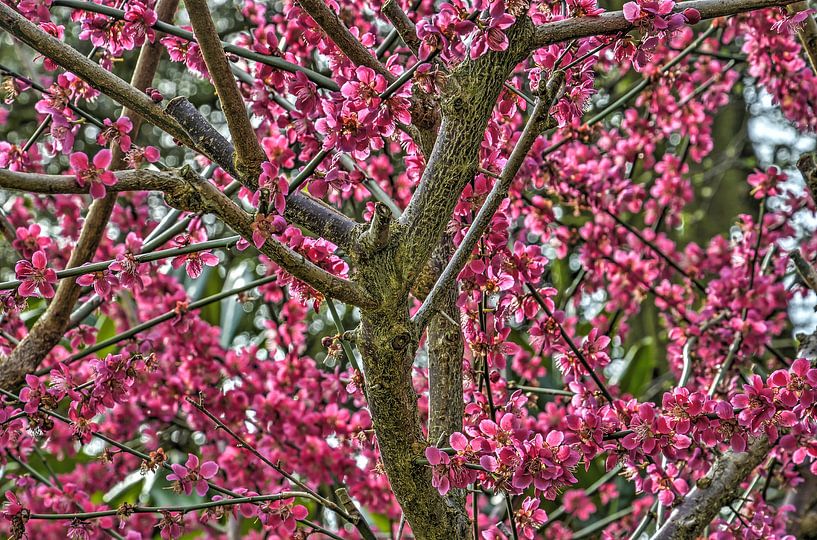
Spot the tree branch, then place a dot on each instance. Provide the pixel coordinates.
(343, 38)
(97, 77)
(161, 26)
(711, 493)
(537, 123)
(51, 326)
(722, 483)
(302, 209)
(445, 350)
(612, 22)
(402, 24)
(60, 184)
(468, 99)
(248, 155)
(198, 195)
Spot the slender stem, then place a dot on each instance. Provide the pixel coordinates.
(143, 258)
(632, 230)
(274, 61)
(242, 443)
(602, 523)
(248, 152)
(347, 349)
(182, 508)
(572, 345)
(538, 390)
(158, 320)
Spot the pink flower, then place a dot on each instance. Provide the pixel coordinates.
(282, 516)
(28, 240)
(265, 226)
(97, 175)
(129, 269)
(490, 35)
(276, 184)
(103, 282)
(584, 8)
(80, 529)
(13, 506)
(191, 476)
(766, 183)
(171, 525)
(35, 275)
(140, 20)
(34, 394)
(440, 465)
(305, 92)
(116, 133)
(578, 504)
(530, 517)
(194, 262)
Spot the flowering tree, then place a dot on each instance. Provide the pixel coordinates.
(343, 269)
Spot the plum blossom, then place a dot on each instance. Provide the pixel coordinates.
(102, 281)
(530, 517)
(192, 476)
(95, 175)
(35, 276)
(30, 240)
(490, 34)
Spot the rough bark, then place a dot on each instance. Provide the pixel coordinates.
(467, 101)
(717, 489)
(612, 22)
(248, 154)
(445, 350)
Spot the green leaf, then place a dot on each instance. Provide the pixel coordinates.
(213, 285)
(106, 329)
(641, 361)
(560, 274)
(381, 521)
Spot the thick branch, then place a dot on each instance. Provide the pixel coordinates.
(57, 184)
(613, 22)
(99, 78)
(445, 350)
(207, 137)
(302, 209)
(717, 489)
(198, 195)
(376, 237)
(402, 24)
(343, 38)
(51, 326)
(248, 152)
(535, 126)
(468, 99)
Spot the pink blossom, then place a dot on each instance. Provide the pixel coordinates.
(96, 175)
(191, 476)
(103, 282)
(29, 240)
(34, 276)
(490, 35)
